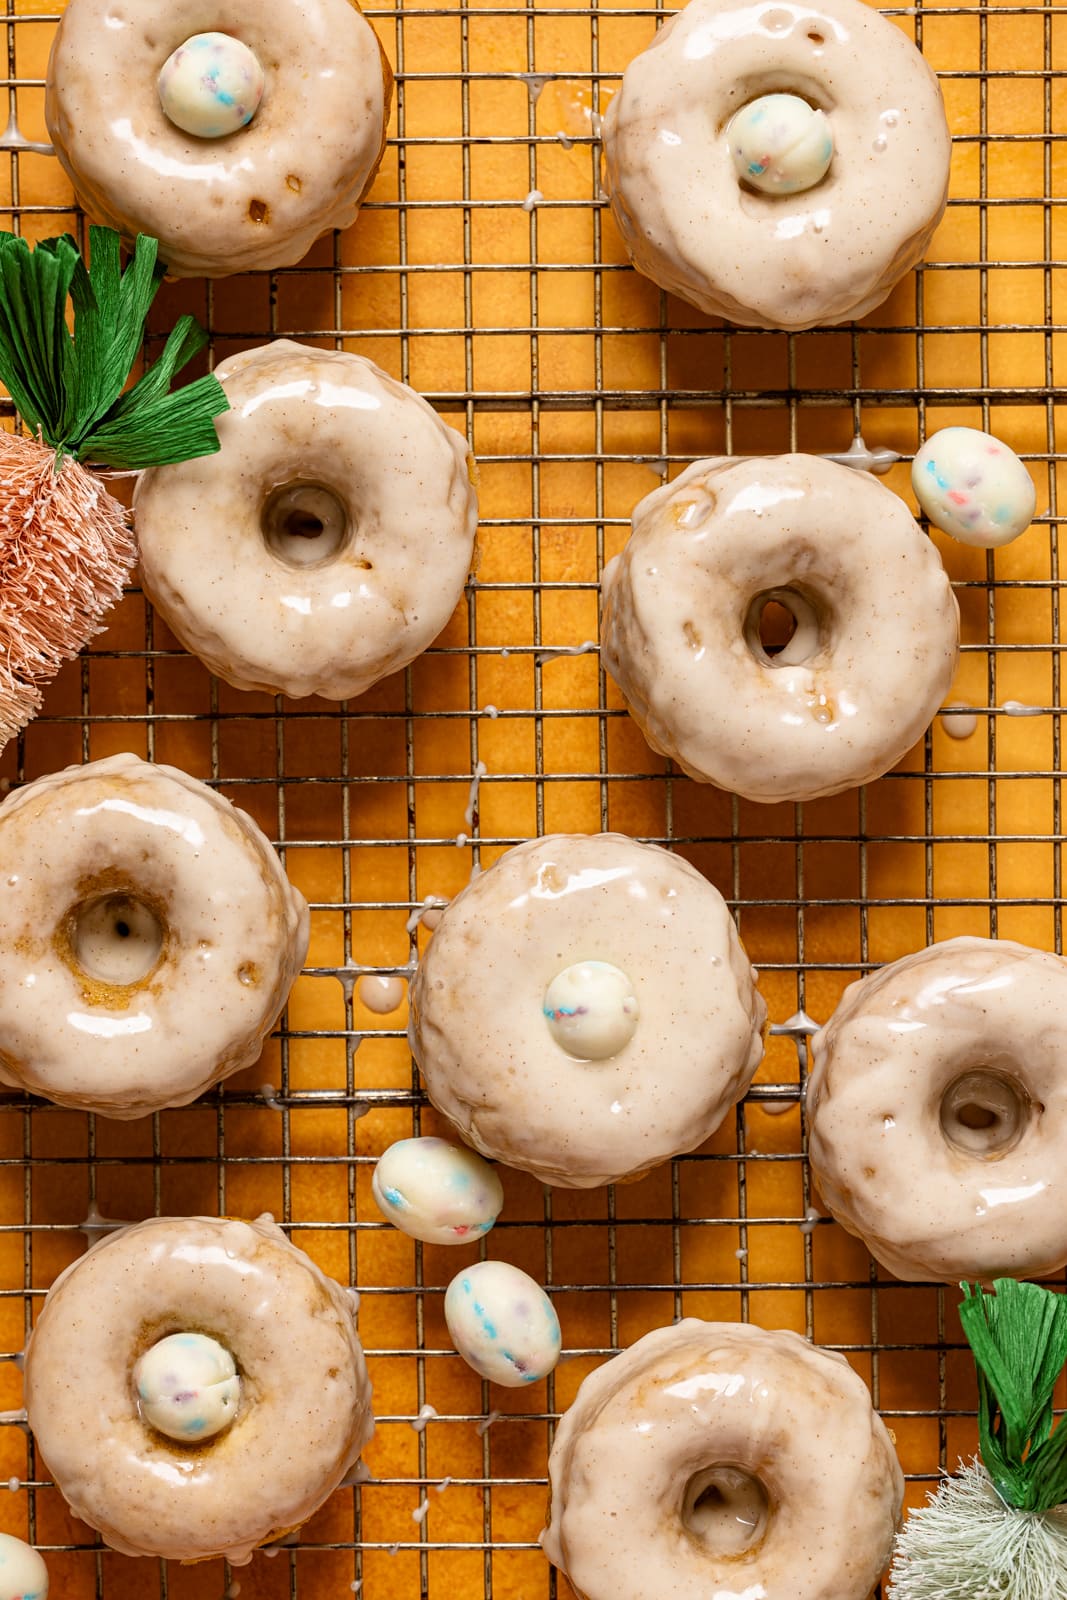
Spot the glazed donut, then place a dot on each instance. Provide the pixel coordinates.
(825, 254)
(257, 197)
(148, 937)
(937, 1112)
(303, 1413)
(717, 1459)
(585, 1010)
(327, 543)
(876, 625)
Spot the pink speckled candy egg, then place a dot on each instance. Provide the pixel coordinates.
(438, 1192)
(23, 1575)
(502, 1323)
(974, 487)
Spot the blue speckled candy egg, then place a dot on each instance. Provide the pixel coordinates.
(502, 1323)
(187, 1387)
(780, 144)
(974, 487)
(438, 1192)
(211, 86)
(23, 1575)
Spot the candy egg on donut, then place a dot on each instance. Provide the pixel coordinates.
(173, 1301)
(937, 1111)
(330, 543)
(149, 934)
(585, 1009)
(875, 625)
(236, 132)
(777, 164)
(722, 1460)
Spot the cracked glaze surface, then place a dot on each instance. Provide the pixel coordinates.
(874, 651)
(697, 1395)
(305, 1409)
(235, 934)
(398, 478)
(490, 1062)
(826, 255)
(257, 199)
(894, 1046)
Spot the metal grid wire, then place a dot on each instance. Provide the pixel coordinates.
(579, 388)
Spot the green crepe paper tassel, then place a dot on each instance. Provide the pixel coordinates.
(66, 545)
(998, 1529)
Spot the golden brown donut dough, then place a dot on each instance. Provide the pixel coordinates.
(823, 255)
(877, 625)
(305, 1408)
(937, 1110)
(257, 198)
(313, 438)
(492, 1064)
(149, 937)
(721, 1461)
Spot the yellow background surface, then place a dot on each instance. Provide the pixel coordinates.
(578, 385)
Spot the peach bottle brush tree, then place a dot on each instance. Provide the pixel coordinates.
(66, 544)
(997, 1530)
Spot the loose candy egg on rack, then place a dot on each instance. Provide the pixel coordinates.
(974, 487)
(780, 144)
(23, 1574)
(211, 85)
(435, 1191)
(502, 1323)
(187, 1387)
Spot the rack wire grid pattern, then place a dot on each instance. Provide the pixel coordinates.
(485, 270)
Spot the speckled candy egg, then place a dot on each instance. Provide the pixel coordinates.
(502, 1323)
(23, 1575)
(438, 1192)
(974, 487)
(780, 144)
(187, 1387)
(211, 85)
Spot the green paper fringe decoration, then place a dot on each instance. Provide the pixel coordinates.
(68, 388)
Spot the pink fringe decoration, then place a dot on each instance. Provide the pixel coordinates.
(65, 552)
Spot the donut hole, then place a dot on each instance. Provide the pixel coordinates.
(726, 1509)
(783, 627)
(305, 524)
(116, 939)
(985, 1112)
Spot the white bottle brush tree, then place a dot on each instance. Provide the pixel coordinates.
(66, 545)
(998, 1529)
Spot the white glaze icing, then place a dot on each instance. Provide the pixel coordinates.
(23, 1574)
(257, 199)
(479, 1035)
(366, 458)
(211, 85)
(654, 1428)
(380, 992)
(974, 487)
(942, 1173)
(187, 1387)
(292, 1333)
(502, 1323)
(780, 144)
(778, 261)
(150, 937)
(436, 1191)
(958, 722)
(591, 1010)
(877, 625)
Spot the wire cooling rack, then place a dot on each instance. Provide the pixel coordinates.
(486, 272)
